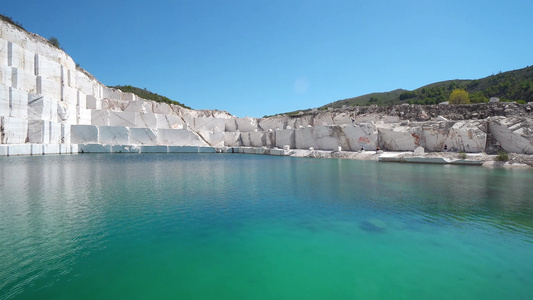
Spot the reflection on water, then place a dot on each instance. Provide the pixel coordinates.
(237, 225)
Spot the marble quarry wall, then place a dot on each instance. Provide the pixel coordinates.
(48, 105)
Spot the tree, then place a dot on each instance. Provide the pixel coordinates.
(459, 96)
(54, 41)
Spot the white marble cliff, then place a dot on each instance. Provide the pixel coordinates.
(48, 105)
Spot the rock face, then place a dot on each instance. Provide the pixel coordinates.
(48, 105)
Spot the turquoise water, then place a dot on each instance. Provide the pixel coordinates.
(224, 226)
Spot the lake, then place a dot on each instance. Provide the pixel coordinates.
(230, 226)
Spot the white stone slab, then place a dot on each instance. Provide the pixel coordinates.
(92, 103)
(66, 112)
(113, 135)
(232, 139)
(84, 134)
(66, 133)
(207, 150)
(231, 125)
(354, 137)
(38, 131)
(143, 136)
(129, 97)
(4, 150)
(41, 108)
(84, 116)
(246, 124)
(37, 149)
(94, 148)
(14, 130)
(182, 149)
(213, 138)
(49, 88)
(69, 95)
(48, 69)
(274, 123)
(20, 58)
(178, 137)
(23, 81)
(55, 133)
(112, 93)
(19, 149)
(145, 120)
(99, 117)
(3, 52)
(4, 101)
(162, 108)
(18, 103)
(122, 118)
(5, 75)
(169, 122)
(74, 148)
(285, 137)
(65, 149)
(209, 124)
(138, 106)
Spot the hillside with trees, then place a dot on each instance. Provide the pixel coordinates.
(145, 94)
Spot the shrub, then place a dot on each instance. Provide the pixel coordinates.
(459, 96)
(502, 156)
(54, 41)
(462, 155)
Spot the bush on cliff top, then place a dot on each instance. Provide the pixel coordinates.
(145, 94)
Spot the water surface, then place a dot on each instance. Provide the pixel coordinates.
(223, 226)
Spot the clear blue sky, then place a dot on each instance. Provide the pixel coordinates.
(255, 58)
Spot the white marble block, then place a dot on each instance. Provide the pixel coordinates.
(18, 103)
(319, 137)
(48, 69)
(51, 149)
(66, 112)
(162, 108)
(14, 130)
(285, 137)
(470, 136)
(231, 125)
(49, 88)
(399, 138)
(143, 136)
(82, 99)
(354, 137)
(169, 122)
(514, 134)
(145, 120)
(37, 149)
(20, 58)
(112, 93)
(65, 149)
(64, 131)
(21, 149)
(113, 135)
(138, 106)
(83, 115)
(154, 149)
(3, 52)
(209, 124)
(179, 137)
(69, 95)
(23, 81)
(4, 101)
(122, 118)
(129, 97)
(272, 123)
(99, 117)
(5, 75)
(232, 139)
(94, 148)
(41, 108)
(246, 124)
(93, 103)
(84, 134)
(213, 138)
(39, 131)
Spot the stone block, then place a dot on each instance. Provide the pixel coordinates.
(6, 75)
(37, 149)
(3, 52)
(209, 124)
(514, 134)
(162, 108)
(14, 130)
(113, 104)
(169, 122)
(19, 149)
(38, 131)
(94, 148)
(231, 125)
(213, 138)
(84, 116)
(23, 81)
(111, 93)
(69, 95)
(138, 106)
(18, 103)
(232, 139)
(55, 133)
(357, 136)
(20, 58)
(419, 151)
(274, 123)
(467, 136)
(277, 152)
(399, 138)
(87, 84)
(74, 148)
(92, 102)
(178, 137)
(113, 135)
(125, 149)
(145, 120)
(82, 99)
(246, 124)
(66, 133)
(319, 137)
(285, 137)
(4, 101)
(84, 134)
(129, 97)
(182, 149)
(66, 113)
(122, 118)
(49, 88)
(41, 108)
(143, 136)
(48, 69)
(99, 117)
(65, 149)
(4, 150)
(154, 149)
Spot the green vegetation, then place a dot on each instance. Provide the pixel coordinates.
(143, 93)
(459, 96)
(514, 85)
(54, 41)
(502, 156)
(11, 21)
(462, 155)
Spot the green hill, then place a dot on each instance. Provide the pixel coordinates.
(145, 94)
(514, 85)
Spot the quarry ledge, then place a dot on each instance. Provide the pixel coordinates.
(516, 161)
